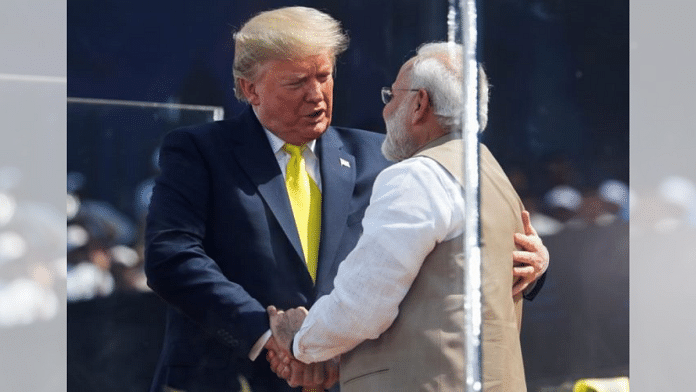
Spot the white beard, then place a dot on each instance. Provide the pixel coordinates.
(398, 146)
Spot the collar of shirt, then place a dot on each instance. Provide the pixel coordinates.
(311, 159)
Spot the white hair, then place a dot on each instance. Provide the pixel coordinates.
(437, 68)
(286, 33)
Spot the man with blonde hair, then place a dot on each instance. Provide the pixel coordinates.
(395, 315)
(257, 210)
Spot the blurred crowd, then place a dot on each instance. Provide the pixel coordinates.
(104, 244)
(579, 325)
(32, 256)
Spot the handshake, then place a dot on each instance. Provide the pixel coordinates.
(284, 326)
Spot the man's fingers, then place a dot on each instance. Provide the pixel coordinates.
(526, 272)
(527, 223)
(532, 260)
(296, 316)
(520, 286)
(271, 310)
(533, 249)
(276, 358)
(330, 373)
(313, 376)
(296, 374)
(285, 357)
(272, 345)
(526, 242)
(318, 374)
(526, 258)
(285, 373)
(277, 367)
(308, 375)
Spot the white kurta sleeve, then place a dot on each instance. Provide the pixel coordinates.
(414, 205)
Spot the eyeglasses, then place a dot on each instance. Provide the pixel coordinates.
(387, 93)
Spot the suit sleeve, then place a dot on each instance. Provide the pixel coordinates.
(176, 264)
(532, 292)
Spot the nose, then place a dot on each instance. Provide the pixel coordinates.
(314, 93)
(386, 111)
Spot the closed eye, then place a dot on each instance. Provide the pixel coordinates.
(296, 84)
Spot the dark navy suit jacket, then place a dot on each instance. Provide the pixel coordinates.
(221, 244)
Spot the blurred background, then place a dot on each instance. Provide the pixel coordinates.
(558, 125)
(32, 197)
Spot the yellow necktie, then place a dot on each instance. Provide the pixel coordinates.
(305, 199)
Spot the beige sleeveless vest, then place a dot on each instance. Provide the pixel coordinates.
(423, 349)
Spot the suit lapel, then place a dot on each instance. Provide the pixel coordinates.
(338, 180)
(254, 155)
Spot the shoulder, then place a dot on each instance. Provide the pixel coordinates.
(357, 137)
(217, 131)
(194, 144)
(189, 141)
(419, 172)
(364, 146)
(417, 166)
(420, 190)
(193, 131)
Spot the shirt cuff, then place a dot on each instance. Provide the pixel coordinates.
(529, 288)
(258, 346)
(295, 346)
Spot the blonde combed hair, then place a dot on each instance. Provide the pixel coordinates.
(286, 33)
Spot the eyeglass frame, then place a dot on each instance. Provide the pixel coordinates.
(388, 93)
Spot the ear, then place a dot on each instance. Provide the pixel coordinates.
(249, 91)
(422, 109)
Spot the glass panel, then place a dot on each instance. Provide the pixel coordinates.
(112, 161)
(32, 232)
(112, 145)
(112, 150)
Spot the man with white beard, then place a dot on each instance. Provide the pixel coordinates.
(395, 315)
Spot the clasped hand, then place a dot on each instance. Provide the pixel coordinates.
(284, 326)
(529, 263)
(532, 260)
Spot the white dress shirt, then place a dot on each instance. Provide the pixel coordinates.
(311, 159)
(415, 205)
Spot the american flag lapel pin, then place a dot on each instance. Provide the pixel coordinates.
(344, 162)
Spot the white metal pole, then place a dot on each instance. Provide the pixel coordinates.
(462, 26)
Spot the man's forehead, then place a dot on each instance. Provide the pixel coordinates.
(302, 66)
(404, 72)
